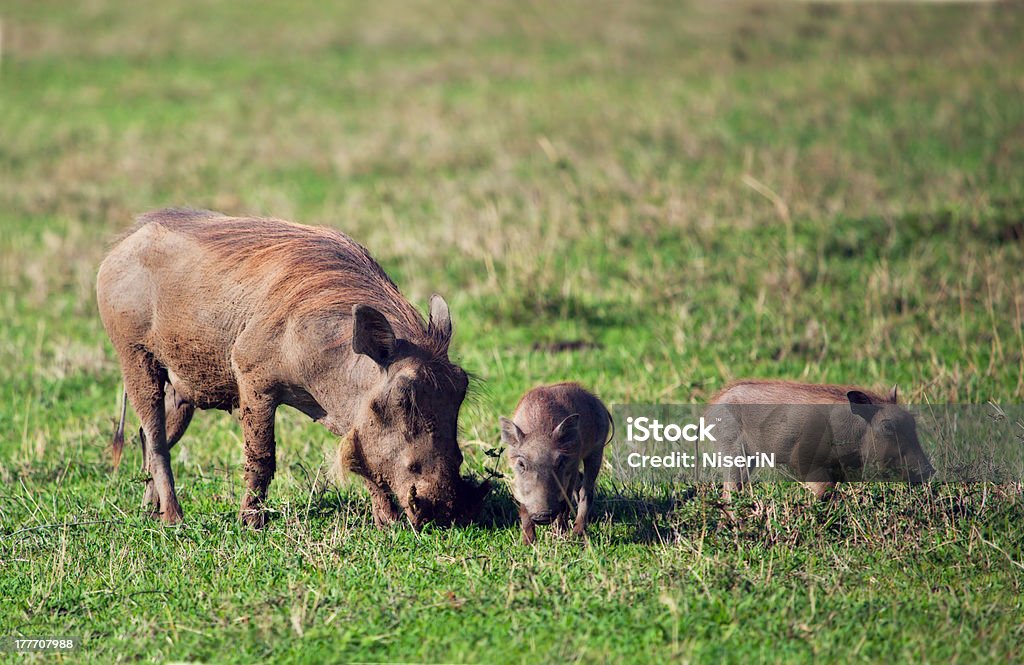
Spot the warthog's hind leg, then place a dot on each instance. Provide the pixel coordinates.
(144, 383)
(177, 416)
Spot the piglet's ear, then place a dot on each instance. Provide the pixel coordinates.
(511, 435)
(567, 434)
(372, 335)
(862, 405)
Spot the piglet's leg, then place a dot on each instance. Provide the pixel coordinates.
(561, 524)
(591, 467)
(529, 530)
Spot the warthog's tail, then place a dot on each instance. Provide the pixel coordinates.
(611, 421)
(117, 445)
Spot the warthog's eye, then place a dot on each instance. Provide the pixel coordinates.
(415, 468)
(401, 394)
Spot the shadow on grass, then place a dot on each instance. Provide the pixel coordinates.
(645, 510)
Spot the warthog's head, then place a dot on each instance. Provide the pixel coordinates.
(404, 437)
(545, 465)
(890, 446)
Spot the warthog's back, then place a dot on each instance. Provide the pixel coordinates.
(754, 391)
(188, 284)
(792, 420)
(775, 412)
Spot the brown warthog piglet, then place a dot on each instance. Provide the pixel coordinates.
(822, 433)
(553, 430)
(246, 314)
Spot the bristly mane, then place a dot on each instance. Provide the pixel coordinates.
(312, 269)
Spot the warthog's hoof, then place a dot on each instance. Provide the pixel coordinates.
(253, 517)
(171, 517)
(151, 501)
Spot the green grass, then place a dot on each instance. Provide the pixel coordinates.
(817, 192)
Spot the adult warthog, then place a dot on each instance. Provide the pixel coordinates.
(244, 314)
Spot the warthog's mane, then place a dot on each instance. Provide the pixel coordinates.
(311, 270)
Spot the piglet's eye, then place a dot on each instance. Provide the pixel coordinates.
(520, 464)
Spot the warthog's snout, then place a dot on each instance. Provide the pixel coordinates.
(422, 508)
(444, 511)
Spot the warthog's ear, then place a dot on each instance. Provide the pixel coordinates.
(511, 435)
(372, 335)
(440, 324)
(567, 433)
(892, 393)
(862, 405)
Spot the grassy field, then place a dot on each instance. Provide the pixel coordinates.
(689, 194)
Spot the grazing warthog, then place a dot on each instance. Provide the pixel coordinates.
(823, 433)
(245, 314)
(554, 428)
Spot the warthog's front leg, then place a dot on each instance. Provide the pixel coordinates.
(257, 418)
(820, 488)
(735, 477)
